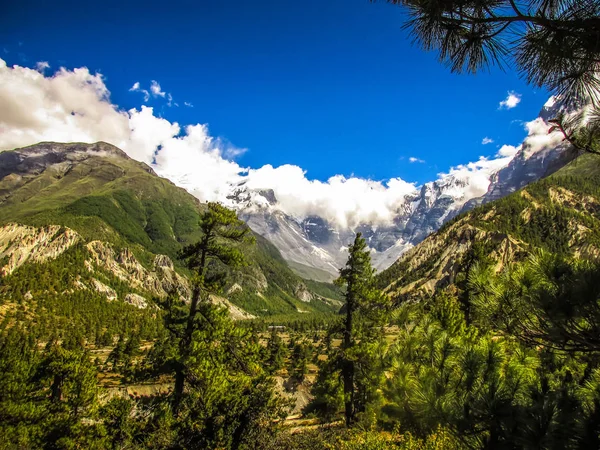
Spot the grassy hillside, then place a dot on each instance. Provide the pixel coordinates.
(103, 195)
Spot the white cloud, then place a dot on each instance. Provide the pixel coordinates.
(486, 140)
(136, 88)
(538, 137)
(155, 89)
(413, 159)
(74, 105)
(508, 150)
(511, 101)
(40, 66)
(475, 177)
(188, 104)
(341, 200)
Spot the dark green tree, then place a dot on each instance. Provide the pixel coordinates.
(276, 352)
(548, 301)
(218, 249)
(299, 361)
(362, 309)
(553, 43)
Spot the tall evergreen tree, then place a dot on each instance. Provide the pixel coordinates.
(222, 232)
(360, 298)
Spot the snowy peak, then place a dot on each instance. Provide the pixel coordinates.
(311, 239)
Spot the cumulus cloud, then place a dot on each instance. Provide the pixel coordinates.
(155, 89)
(475, 177)
(74, 105)
(341, 200)
(486, 140)
(414, 159)
(40, 66)
(511, 101)
(508, 150)
(538, 137)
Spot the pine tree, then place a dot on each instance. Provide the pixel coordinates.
(217, 250)
(299, 361)
(554, 43)
(276, 352)
(362, 301)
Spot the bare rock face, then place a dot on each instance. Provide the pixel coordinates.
(235, 312)
(302, 293)
(109, 292)
(125, 266)
(440, 255)
(163, 262)
(136, 300)
(21, 243)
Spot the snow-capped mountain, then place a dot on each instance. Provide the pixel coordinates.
(316, 242)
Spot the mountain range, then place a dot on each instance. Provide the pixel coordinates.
(559, 215)
(316, 248)
(124, 226)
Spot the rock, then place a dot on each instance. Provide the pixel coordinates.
(136, 300)
(235, 312)
(302, 293)
(163, 261)
(104, 289)
(21, 243)
(126, 267)
(234, 288)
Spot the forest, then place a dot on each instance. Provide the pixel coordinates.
(497, 359)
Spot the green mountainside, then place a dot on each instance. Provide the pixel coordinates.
(559, 214)
(68, 207)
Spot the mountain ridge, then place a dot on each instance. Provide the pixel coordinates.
(97, 192)
(314, 241)
(559, 214)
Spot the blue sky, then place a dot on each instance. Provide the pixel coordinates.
(333, 86)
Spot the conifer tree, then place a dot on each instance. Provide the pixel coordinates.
(276, 352)
(362, 302)
(554, 43)
(222, 232)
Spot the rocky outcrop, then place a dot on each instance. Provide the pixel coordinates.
(125, 266)
(103, 289)
(235, 312)
(435, 262)
(302, 293)
(136, 300)
(20, 244)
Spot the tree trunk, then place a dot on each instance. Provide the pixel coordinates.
(56, 389)
(186, 340)
(348, 366)
(179, 385)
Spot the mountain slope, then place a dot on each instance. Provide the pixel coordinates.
(558, 214)
(316, 242)
(135, 218)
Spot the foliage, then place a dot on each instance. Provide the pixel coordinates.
(358, 361)
(554, 44)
